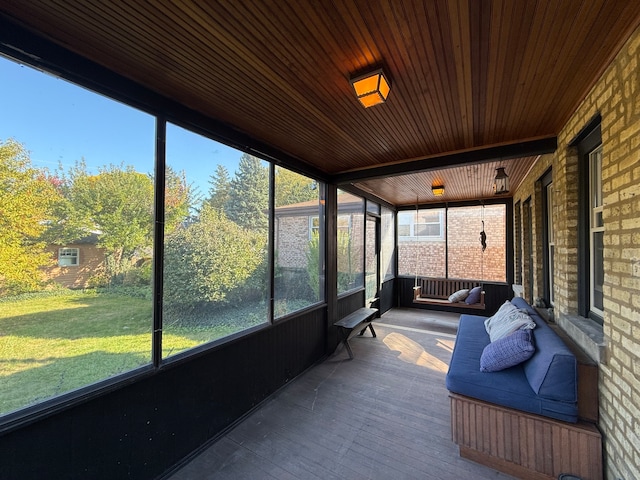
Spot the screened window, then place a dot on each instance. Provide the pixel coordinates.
(466, 257)
(387, 247)
(350, 240)
(299, 241)
(68, 257)
(446, 242)
(422, 246)
(215, 248)
(85, 164)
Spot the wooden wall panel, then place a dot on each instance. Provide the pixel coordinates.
(523, 445)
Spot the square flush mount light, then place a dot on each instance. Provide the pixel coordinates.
(437, 190)
(371, 88)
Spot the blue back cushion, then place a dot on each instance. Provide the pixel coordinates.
(552, 370)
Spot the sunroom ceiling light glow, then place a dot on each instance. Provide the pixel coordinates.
(437, 190)
(372, 88)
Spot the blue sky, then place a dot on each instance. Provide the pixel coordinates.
(61, 123)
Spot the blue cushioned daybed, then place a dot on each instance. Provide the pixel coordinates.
(545, 384)
(520, 415)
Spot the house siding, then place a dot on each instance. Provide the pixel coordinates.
(91, 264)
(616, 98)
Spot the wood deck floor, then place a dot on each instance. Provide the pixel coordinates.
(382, 415)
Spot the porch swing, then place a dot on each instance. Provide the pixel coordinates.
(445, 292)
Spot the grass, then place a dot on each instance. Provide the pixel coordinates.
(53, 344)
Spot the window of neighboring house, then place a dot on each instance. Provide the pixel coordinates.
(68, 257)
(425, 224)
(314, 226)
(344, 224)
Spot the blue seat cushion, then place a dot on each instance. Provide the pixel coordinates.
(509, 387)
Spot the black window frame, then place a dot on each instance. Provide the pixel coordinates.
(587, 141)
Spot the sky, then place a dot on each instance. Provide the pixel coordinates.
(60, 123)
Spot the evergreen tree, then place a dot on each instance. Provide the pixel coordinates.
(220, 188)
(248, 202)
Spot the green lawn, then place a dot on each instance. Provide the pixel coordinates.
(54, 344)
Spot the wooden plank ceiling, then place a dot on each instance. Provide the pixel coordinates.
(466, 74)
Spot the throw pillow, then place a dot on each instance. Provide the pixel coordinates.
(474, 296)
(459, 296)
(507, 352)
(507, 320)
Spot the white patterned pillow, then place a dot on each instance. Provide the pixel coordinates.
(507, 320)
(459, 296)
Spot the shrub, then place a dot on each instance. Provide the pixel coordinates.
(210, 258)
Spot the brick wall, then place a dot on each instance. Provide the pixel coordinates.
(616, 97)
(292, 241)
(91, 263)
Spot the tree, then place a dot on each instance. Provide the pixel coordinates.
(117, 204)
(220, 188)
(206, 260)
(27, 198)
(293, 188)
(248, 202)
(177, 199)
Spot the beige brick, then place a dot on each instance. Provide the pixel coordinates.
(631, 223)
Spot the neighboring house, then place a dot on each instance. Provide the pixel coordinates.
(76, 263)
(295, 224)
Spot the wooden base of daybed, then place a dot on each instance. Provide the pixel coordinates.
(524, 445)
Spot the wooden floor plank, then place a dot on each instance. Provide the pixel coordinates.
(383, 415)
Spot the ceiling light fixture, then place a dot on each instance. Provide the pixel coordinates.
(437, 190)
(501, 182)
(372, 88)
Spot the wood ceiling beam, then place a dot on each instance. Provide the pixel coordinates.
(527, 148)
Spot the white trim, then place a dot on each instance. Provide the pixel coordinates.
(596, 225)
(68, 257)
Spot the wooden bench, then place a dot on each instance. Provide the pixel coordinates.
(355, 324)
(436, 291)
(524, 445)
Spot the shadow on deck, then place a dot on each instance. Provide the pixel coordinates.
(383, 415)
